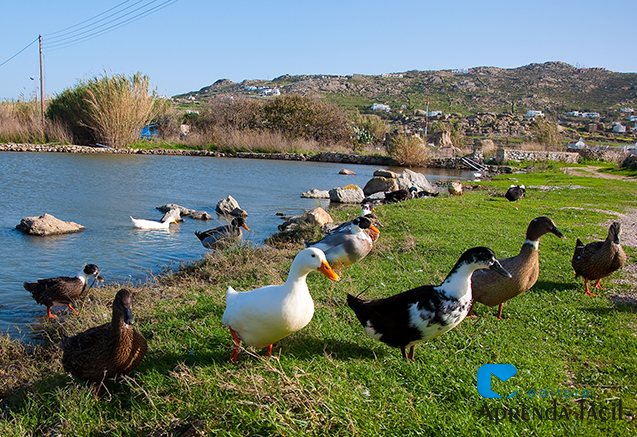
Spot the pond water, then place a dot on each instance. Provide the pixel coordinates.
(101, 191)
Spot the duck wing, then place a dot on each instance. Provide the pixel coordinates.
(390, 319)
(62, 289)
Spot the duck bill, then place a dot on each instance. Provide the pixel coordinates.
(557, 232)
(498, 268)
(244, 226)
(374, 228)
(128, 316)
(328, 272)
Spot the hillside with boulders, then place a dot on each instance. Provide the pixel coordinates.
(552, 87)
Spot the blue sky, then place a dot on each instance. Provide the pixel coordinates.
(189, 44)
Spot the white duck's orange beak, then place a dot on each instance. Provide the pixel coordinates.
(328, 272)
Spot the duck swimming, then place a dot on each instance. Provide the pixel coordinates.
(108, 350)
(425, 312)
(265, 315)
(152, 224)
(343, 249)
(492, 289)
(214, 238)
(599, 259)
(62, 289)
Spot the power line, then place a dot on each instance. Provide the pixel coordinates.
(69, 35)
(85, 21)
(30, 44)
(93, 33)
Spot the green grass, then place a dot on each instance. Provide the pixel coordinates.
(330, 378)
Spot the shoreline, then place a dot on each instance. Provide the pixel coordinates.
(334, 157)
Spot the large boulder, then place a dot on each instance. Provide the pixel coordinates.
(347, 194)
(47, 224)
(230, 207)
(378, 184)
(318, 216)
(410, 179)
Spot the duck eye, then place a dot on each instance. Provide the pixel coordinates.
(313, 256)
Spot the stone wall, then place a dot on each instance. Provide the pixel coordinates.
(504, 155)
(604, 155)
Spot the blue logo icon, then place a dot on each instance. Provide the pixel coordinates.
(501, 371)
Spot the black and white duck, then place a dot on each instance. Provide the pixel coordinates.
(425, 312)
(599, 259)
(223, 235)
(108, 350)
(515, 192)
(61, 289)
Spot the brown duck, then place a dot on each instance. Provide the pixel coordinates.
(61, 290)
(108, 350)
(599, 259)
(492, 290)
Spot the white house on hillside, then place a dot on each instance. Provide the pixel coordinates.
(380, 107)
(530, 113)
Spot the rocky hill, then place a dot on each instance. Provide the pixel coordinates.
(552, 87)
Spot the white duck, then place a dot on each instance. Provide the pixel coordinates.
(265, 315)
(152, 224)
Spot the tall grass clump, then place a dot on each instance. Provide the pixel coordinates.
(108, 109)
(409, 150)
(118, 107)
(21, 122)
(546, 133)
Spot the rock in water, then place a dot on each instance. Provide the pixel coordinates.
(47, 224)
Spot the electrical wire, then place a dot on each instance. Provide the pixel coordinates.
(30, 44)
(95, 32)
(92, 26)
(85, 21)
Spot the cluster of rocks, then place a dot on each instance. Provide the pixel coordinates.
(375, 189)
(12, 147)
(171, 209)
(504, 155)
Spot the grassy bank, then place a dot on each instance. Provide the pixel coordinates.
(330, 378)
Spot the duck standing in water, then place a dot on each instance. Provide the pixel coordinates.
(62, 289)
(599, 259)
(343, 249)
(108, 350)
(265, 315)
(491, 289)
(217, 237)
(425, 312)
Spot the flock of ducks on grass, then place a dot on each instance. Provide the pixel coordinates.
(265, 315)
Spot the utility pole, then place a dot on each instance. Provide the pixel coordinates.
(41, 81)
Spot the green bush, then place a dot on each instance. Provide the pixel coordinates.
(111, 110)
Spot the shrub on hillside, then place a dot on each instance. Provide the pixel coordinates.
(304, 117)
(409, 150)
(546, 133)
